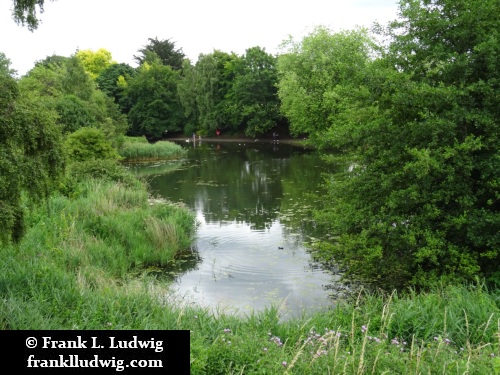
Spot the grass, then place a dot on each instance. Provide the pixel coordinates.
(138, 149)
(86, 266)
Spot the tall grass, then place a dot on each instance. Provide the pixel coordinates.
(133, 150)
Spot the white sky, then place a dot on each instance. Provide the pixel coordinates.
(196, 26)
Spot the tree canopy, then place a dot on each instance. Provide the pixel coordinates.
(155, 108)
(94, 62)
(165, 50)
(31, 157)
(26, 12)
(420, 197)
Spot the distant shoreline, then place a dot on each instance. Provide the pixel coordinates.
(293, 141)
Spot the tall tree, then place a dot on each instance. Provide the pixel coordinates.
(212, 84)
(156, 107)
(165, 50)
(317, 76)
(5, 68)
(254, 92)
(113, 80)
(64, 85)
(94, 62)
(422, 201)
(30, 154)
(76, 80)
(188, 97)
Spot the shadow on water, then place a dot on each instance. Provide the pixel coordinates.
(253, 203)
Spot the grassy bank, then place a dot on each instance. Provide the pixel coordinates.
(88, 247)
(86, 266)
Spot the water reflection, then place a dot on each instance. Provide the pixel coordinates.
(253, 203)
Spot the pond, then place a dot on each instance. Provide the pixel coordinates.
(253, 203)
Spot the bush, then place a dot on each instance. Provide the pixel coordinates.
(90, 143)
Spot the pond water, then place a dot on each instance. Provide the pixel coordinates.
(253, 204)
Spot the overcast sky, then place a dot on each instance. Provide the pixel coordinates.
(196, 26)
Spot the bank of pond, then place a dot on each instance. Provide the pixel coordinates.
(89, 261)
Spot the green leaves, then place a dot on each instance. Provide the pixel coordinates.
(155, 106)
(421, 129)
(165, 50)
(89, 143)
(319, 78)
(31, 158)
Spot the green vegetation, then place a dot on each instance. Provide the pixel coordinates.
(452, 330)
(136, 149)
(418, 124)
(89, 143)
(31, 157)
(416, 120)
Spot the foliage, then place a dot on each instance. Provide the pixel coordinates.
(253, 95)
(103, 170)
(155, 104)
(318, 75)
(63, 85)
(186, 90)
(89, 143)
(5, 68)
(204, 88)
(229, 92)
(73, 113)
(25, 12)
(53, 62)
(108, 116)
(43, 80)
(94, 62)
(112, 81)
(420, 201)
(31, 157)
(165, 50)
(76, 80)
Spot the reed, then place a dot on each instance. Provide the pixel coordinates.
(134, 150)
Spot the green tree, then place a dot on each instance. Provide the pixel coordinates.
(156, 107)
(25, 12)
(109, 119)
(43, 80)
(5, 68)
(94, 62)
(318, 75)
(186, 89)
(113, 80)
(63, 85)
(165, 50)
(73, 113)
(52, 61)
(422, 200)
(254, 92)
(76, 80)
(212, 82)
(31, 158)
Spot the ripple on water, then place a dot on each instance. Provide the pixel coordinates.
(260, 264)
